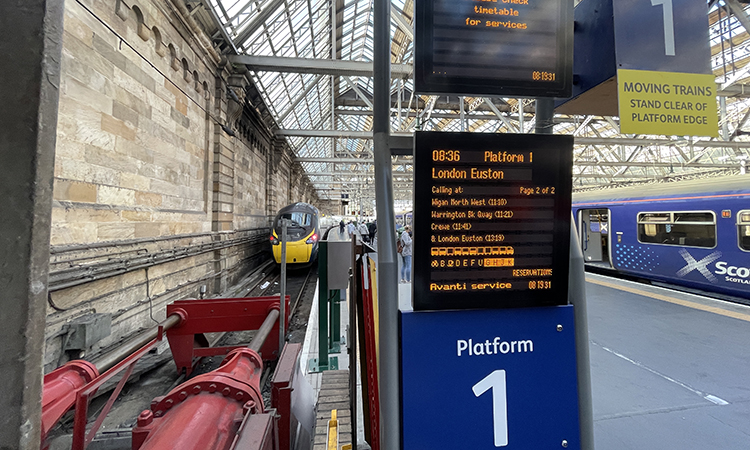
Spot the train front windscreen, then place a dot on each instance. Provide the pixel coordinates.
(299, 224)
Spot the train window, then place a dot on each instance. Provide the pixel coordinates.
(298, 219)
(743, 225)
(690, 228)
(654, 217)
(699, 217)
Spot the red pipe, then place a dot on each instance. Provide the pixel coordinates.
(205, 412)
(209, 422)
(61, 386)
(60, 389)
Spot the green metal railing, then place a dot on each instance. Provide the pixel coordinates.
(329, 311)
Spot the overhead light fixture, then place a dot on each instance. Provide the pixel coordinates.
(233, 96)
(227, 130)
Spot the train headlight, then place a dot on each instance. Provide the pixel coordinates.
(274, 241)
(312, 239)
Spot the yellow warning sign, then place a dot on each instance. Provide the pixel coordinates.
(669, 103)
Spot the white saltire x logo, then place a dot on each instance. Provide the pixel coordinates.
(700, 266)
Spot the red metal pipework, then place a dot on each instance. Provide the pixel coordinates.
(73, 383)
(60, 389)
(219, 315)
(205, 412)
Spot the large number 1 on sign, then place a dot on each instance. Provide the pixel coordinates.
(668, 25)
(496, 382)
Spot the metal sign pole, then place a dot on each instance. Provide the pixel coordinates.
(577, 298)
(282, 294)
(545, 111)
(388, 368)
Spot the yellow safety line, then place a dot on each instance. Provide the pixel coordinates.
(333, 432)
(676, 301)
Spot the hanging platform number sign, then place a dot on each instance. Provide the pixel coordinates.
(508, 376)
(668, 13)
(664, 89)
(496, 382)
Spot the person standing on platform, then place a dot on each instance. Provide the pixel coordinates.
(341, 227)
(363, 232)
(372, 229)
(351, 229)
(406, 252)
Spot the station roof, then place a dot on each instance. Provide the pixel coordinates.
(311, 62)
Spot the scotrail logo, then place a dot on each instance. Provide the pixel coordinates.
(700, 266)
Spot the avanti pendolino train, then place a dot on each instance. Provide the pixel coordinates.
(303, 234)
(690, 233)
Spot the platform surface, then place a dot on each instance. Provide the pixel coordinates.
(670, 370)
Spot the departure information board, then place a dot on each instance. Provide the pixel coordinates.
(491, 220)
(494, 47)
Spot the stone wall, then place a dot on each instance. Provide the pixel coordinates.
(133, 129)
(152, 198)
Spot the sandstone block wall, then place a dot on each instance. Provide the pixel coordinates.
(152, 199)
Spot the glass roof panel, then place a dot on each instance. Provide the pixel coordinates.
(303, 28)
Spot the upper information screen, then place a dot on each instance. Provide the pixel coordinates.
(491, 220)
(494, 47)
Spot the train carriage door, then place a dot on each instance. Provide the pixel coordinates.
(594, 227)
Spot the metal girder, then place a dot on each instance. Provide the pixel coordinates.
(343, 134)
(674, 164)
(610, 177)
(394, 113)
(258, 21)
(739, 13)
(353, 174)
(665, 142)
(488, 101)
(578, 140)
(470, 116)
(735, 90)
(346, 160)
(403, 25)
(359, 92)
(222, 30)
(316, 66)
(357, 183)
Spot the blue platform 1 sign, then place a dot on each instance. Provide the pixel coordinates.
(487, 379)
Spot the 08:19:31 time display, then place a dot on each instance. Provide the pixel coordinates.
(543, 76)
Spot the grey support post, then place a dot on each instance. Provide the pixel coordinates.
(282, 286)
(31, 45)
(577, 297)
(390, 414)
(545, 111)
